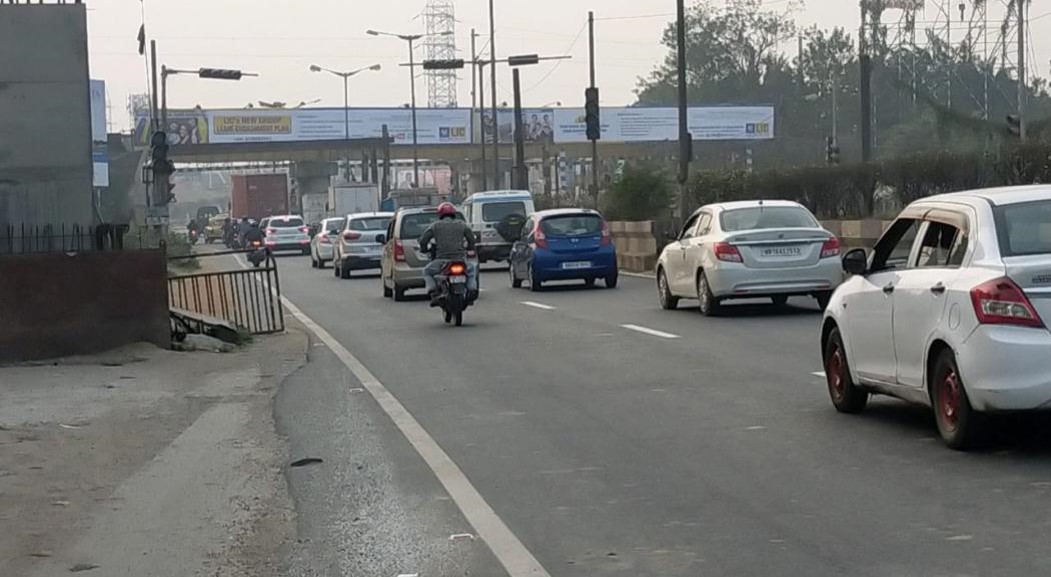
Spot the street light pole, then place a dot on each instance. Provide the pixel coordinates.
(346, 103)
(496, 118)
(415, 142)
(346, 106)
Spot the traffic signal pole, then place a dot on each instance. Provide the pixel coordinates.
(594, 142)
(685, 144)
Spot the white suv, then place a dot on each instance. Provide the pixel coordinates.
(949, 311)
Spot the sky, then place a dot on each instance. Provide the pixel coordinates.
(280, 39)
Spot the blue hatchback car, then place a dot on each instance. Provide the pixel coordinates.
(564, 244)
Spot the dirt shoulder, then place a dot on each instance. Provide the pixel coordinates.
(146, 462)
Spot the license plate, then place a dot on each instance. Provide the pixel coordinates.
(458, 279)
(576, 265)
(781, 251)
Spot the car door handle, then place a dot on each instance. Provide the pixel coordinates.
(938, 289)
(889, 288)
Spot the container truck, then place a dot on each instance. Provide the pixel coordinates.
(259, 195)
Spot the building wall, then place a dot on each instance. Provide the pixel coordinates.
(58, 304)
(45, 120)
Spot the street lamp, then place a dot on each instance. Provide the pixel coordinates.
(346, 90)
(411, 38)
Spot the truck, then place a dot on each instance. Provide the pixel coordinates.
(413, 197)
(351, 197)
(259, 195)
(315, 207)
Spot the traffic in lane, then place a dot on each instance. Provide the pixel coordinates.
(610, 451)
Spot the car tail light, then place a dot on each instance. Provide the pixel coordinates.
(607, 238)
(830, 248)
(727, 252)
(270, 232)
(539, 237)
(399, 251)
(304, 229)
(325, 239)
(351, 235)
(271, 243)
(1002, 302)
(457, 268)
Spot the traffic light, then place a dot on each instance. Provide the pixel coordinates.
(591, 114)
(443, 64)
(219, 73)
(162, 168)
(831, 151)
(523, 60)
(1014, 125)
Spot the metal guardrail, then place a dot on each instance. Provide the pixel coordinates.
(247, 298)
(36, 239)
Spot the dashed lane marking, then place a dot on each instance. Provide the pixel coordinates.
(540, 306)
(650, 332)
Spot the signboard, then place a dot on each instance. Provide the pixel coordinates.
(455, 126)
(99, 141)
(657, 124)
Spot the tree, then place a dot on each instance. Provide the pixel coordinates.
(642, 192)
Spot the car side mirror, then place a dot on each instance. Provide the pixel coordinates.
(856, 262)
(381, 239)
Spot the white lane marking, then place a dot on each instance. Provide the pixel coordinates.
(819, 374)
(538, 305)
(504, 544)
(651, 332)
(646, 275)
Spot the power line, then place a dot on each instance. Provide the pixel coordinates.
(559, 62)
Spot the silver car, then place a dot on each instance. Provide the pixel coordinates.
(321, 250)
(749, 249)
(358, 245)
(286, 232)
(403, 261)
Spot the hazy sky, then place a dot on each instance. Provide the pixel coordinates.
(280, 39)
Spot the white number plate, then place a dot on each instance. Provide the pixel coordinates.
(576, 265)
(782, 251)
(457, 279)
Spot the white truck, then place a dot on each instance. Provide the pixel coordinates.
(353, 197)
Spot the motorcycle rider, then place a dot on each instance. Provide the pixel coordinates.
(253, 234)
(449, 235)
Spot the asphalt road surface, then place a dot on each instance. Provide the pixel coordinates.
(614, 438)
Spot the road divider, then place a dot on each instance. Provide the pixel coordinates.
(650, 332)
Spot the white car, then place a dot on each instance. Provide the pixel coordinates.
(947, 311)
(496, 217)
(286, 232)
(749, 249)
(321, 251)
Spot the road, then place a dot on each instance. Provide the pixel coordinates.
(614, 438)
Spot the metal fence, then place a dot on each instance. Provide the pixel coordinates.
(247, 298)
(34, 239)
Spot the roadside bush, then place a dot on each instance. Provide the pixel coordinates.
(642, 192)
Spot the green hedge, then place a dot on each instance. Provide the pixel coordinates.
(847, 191)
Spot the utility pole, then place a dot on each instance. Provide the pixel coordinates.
(1022, 89)
(685, 139)
(474, 70)
(521, 176)
(594, 143)
(415, 142)
(153, 70)
(865, 64)
(478, 70)
(492, 72)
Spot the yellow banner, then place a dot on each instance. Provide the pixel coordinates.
(252, 125)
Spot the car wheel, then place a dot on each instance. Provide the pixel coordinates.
(535, 284)
(780, 300)
(515, 281)
(387, 292)
(709, 305)
(668, 301)
(846, 396)
(611, 281)
(589, 283)
(344, 269)
(960, 426)
(313, 261)
(448, 316)
(822, 299)
(399, 294)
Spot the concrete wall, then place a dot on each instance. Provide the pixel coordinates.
(45, 121)
(54, 305)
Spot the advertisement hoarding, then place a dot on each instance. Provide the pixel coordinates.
(99, 141)
(657, 124)
(539, 125)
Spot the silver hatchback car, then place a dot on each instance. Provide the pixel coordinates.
(359, 243)
(749, 249)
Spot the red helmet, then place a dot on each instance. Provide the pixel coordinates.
(446, 209)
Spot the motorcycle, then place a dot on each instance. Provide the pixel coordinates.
(454, 297)
(193, 235)
(257, 254)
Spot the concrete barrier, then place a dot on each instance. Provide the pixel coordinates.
(636, 244)
(59, 304)
(639, 242)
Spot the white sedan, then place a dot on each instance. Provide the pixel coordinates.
(740, 250)
(948, 311)
(321, 245)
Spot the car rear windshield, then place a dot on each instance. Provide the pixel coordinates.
(497, 211)
(291, 222)
(766, 217)
(572, 225)
(333, 225)
(1024, 228)
(413, 225)
(375, 223)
